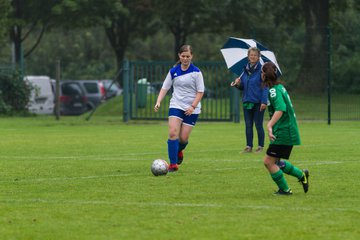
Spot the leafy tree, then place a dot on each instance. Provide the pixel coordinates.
(289, 19)
(315, 70)
(4, 18)
(123, 24)
(313, 17)
(14, 94)
(188, 17)
(345, 48)
(122, 20)
(244, 16)
(313, 74)
(79, 29)
(27, 17)
(84, 54)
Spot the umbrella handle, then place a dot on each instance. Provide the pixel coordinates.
(235, 83)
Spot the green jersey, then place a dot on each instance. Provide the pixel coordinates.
(285, 129)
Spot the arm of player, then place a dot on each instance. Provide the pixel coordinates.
(277, 115)
(161, 96)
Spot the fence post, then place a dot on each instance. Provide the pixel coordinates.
(126, 91)
(57, 91)
(22, 62)
(329, 74)
(236, 104)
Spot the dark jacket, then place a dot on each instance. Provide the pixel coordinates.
(251, 85)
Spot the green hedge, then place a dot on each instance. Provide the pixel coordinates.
(14, 94)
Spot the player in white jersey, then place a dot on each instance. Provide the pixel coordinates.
(188, 89)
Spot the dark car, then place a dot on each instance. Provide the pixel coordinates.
(73, 100)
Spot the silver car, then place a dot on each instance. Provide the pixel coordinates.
(94, 91)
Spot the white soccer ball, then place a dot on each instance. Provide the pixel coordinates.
(159, 167)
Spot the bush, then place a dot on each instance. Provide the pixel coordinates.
(14, 94)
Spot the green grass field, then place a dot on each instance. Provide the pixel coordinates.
(77, 179)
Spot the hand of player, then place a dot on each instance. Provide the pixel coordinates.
(271, 135)
(157, 106)
(189, 111)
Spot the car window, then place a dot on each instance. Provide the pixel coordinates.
(91, 87)
(71, 89)
(113, 87)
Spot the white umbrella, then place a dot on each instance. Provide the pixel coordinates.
(235, 53)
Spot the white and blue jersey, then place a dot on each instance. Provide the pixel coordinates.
(186, 84)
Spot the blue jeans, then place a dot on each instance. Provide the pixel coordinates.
(256, 116)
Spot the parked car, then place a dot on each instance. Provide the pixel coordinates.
(42, 97)
(112, 88)
(73, 100)
(94, 91)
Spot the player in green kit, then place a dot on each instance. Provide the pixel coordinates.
(283, 133)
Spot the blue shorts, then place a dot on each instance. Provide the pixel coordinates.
(188, 120)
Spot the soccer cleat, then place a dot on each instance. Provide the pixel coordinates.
(173, 168)
(282, 192)
(180, 157)
(305, 180)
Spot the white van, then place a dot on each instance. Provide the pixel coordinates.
(42, 96)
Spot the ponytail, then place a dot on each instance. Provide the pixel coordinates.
(270, 74)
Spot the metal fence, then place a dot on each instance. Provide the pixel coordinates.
(6, 69)
(336, 96)
(143, 81)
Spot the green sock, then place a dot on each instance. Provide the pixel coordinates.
(280, 180)
(288, 168)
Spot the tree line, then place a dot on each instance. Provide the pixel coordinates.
(96, 36)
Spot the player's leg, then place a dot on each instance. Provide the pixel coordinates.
(276, 175)
(185, 131)
(290, 169)
(174, 123)
(273, 154)
(301, 175)
(183, 142)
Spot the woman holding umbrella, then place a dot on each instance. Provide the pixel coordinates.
(254, 99)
